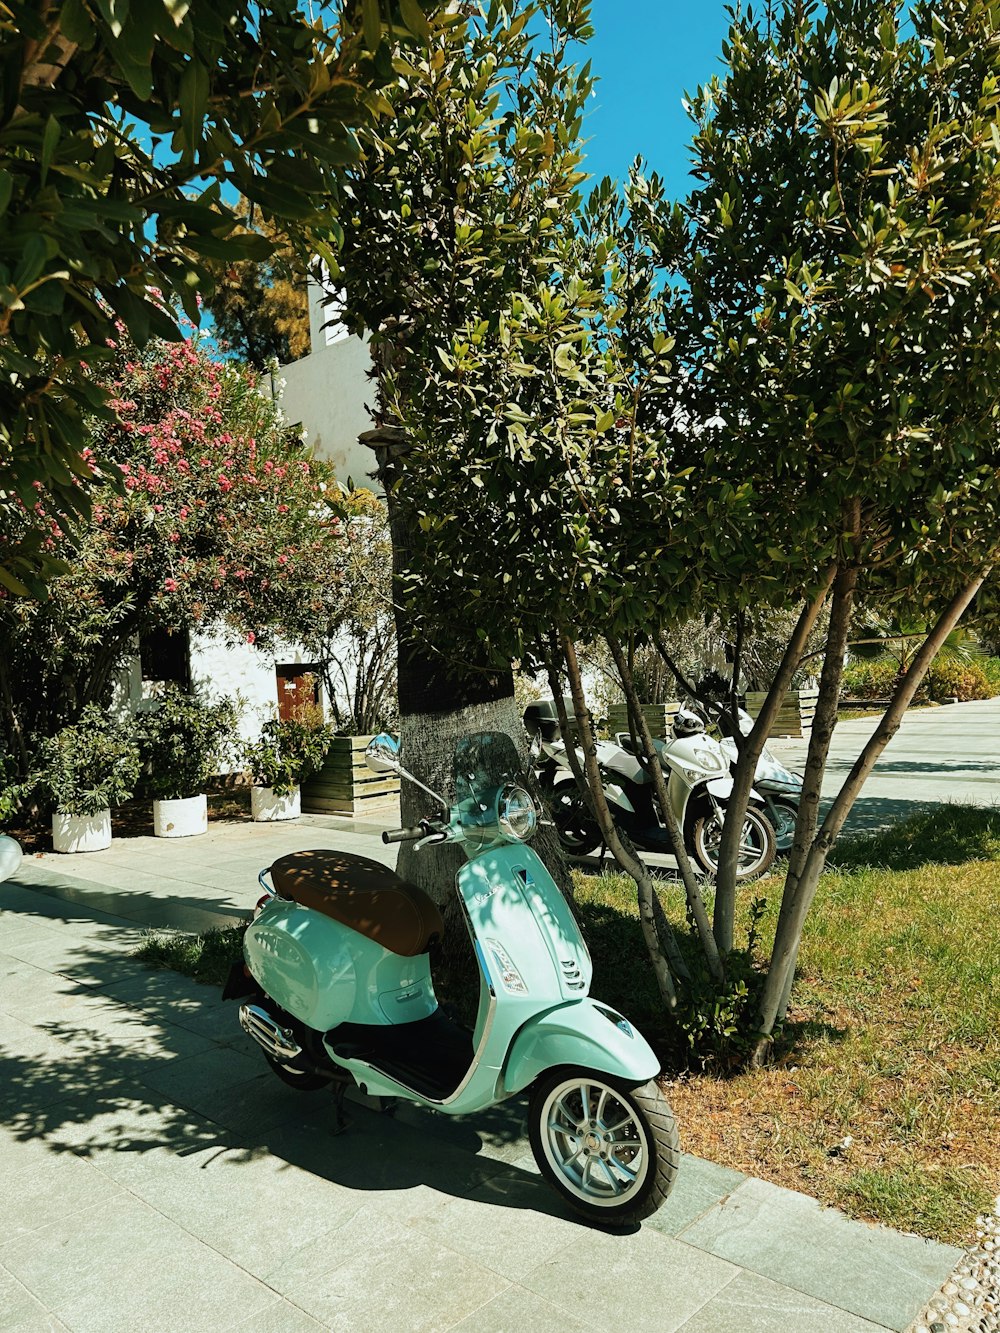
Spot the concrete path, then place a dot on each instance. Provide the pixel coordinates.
(157, 1176)
(951, 753)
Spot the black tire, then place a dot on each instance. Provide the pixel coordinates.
(303, 1080)
(706, 833)
(554, 1129)
(576, 827)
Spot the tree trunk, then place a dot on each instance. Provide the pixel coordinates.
(695, 902)
(445, 692)
(749, 754)
(822, 844)
(626, 858)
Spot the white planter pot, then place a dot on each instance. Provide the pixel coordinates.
(264, 805)
(81, 833)
(180, 819)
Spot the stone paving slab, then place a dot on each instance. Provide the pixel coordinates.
(867, 1270)
(194, 1181)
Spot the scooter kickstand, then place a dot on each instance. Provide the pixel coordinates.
(340, 1121)
(388, 1105)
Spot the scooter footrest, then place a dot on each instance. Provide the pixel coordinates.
(430, 1056)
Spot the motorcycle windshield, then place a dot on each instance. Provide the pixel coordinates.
(483, 761)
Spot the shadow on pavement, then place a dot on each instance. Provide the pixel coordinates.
(136, 1060)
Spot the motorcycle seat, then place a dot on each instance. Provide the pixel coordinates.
(362, 894)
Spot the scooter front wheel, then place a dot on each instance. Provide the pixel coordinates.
(611, 1151)
(756, 851)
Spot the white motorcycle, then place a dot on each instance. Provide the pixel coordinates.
(780, 788)
(698, 788)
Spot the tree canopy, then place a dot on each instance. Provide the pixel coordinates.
(126, 135)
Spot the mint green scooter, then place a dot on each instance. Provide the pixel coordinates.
(337, 989)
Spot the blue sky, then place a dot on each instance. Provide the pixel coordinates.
(647, 54)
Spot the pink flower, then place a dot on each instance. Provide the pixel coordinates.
(225, 485)
(171, 585)
(251, 637)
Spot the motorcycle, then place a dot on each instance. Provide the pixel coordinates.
(698, 787)
(336, 988)
(780, 788)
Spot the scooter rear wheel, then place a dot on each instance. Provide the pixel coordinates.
(576, 827)
(611, 1151)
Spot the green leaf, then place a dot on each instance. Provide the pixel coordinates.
(33, 259)
(49, 140)
(6, 190)
(115, 14)
(177, 9)
(12, 583)
(193, 101)
(372, 19)
(415, 19)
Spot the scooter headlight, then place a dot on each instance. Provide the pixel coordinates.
(517, 816)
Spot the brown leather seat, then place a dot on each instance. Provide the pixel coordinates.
(362, 894)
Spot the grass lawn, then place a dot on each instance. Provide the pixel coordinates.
(884, 1098)
(885, 1095)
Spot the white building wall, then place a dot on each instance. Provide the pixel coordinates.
(242, 672)
(329, 392)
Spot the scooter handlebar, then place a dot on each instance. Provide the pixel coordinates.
(403, 834)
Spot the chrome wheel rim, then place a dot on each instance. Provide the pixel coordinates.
(594, 1142)
(753, 845)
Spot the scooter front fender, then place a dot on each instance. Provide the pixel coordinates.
(722, 789)
(586, 1034)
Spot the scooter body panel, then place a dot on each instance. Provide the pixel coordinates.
(532, 958)
(323, 973)
(585, 1034)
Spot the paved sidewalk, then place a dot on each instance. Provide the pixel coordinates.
(157, 1176)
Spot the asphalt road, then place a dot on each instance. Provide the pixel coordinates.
(951, 753)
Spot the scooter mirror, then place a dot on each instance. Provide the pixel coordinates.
(382, 754)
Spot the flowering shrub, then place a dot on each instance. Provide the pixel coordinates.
(221, 523)
(184, 741)
(89, 767)
(950, 678)
(287, 753)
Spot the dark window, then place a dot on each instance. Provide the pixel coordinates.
(165, 656)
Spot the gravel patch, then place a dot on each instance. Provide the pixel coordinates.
(969, 1302)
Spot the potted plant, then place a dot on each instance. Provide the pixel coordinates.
(86, 769)
(285, 755)
(184, 741)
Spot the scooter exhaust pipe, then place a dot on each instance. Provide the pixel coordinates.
(277, 1041)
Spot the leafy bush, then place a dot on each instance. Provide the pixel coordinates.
(12, 792)
(951, 678)
(184, 741)
(287, 753)
(870, 680)
(991, 670)
(90, 766)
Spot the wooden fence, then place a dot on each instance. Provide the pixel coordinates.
(345, 785)
(795, 715)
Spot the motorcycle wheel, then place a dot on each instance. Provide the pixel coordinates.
(757, 850)
(576, 827)
(784, 816)
(609, 1150)
(304, 1080)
